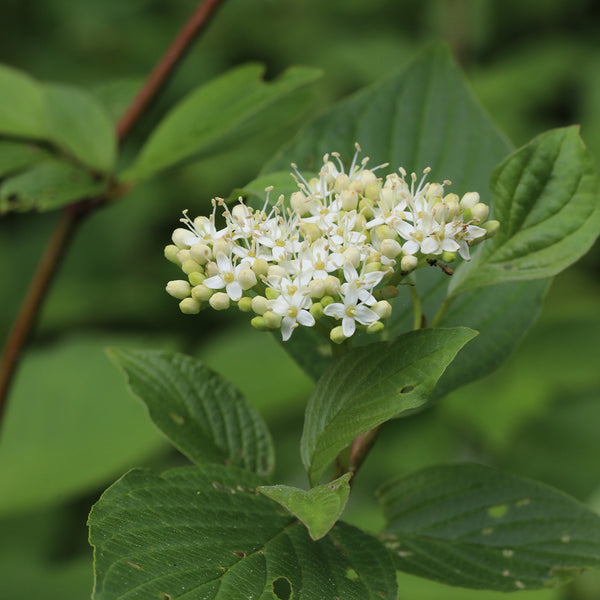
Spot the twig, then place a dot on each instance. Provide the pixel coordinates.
(73, 215)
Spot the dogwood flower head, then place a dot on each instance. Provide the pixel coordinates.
(334, 251)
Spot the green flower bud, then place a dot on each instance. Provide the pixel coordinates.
(371, 267)
(260, 305)
(179, 289)
(299, 204)
(372, 190)
(219, 301)
(171, 254)
(245, 304)
(408, 263)
(390, 248)
(311, 232)
(196, 278)
(384, 232)
(189, 306)
(316, 288)
(358, 186)
(342, 181)
(259, 323)
(337, 335)
(349, 200)
(481, 212)
(375, 327)
(374, 257)
(201, 253)
(366, 208)
(191, 266)
(326, 300)
(448, 257)
(201, 293)
(184, 255)
(179, 235)
(272, 294)
(361, 223)
(271, 320)
(352, 255)
(316, 310)
(491, 228)
(247, 279)
(383, 309)
(332, 285)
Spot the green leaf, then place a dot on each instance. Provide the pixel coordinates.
(472, 526)
(202, 414)
(367, 386)
(22, 110)
(547, 201)
(47, 185)
(16, 156)
(205, 532)
(219, 112)
(63, 434)
(318, 508)
(79, 124)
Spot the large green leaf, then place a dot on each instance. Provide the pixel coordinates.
(80, 125)
(22, 110)
(472, 526)
(15, 156)
(47, 185)
(216, 113)
(367, 386)
(63, 433)
(205, 532)
(201, 413)
(318, 508)
(547, 201)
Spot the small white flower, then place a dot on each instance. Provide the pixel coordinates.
(292, 305)
(351, 311)
(226, 277)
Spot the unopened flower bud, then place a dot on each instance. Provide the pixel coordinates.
(376, 327)
(179, 237)
(491, 228)
(481, 212)
(189, 306)
(272, 294)
(372, 190)
(201, 293)
(311, 231)
(372, 267)
(361, 223)
(385, 232)
(448, 257)
(469, 200)
(453, 208)
(171, 253)
(245, 304)
(409, 263)
(211, 269)
(441, 211)
(366, 208)
(276, 271)
(316, 288)
(349, 200)
(260, 305)
(337, 335)
(332, 285)
(184, 255)
(247, 278)
(358, 186)
(326, 301)
(179, 289)
(219, 301)
(390, 248)
(190, 266)
(316, 310)
(374, 257)
(196, 278)
(342, 181)
(240, 212)
(260, 266)
(299, 204)
(259, 323)
(221, 246)
(352, 256)
(201, 253)
(272, 321)
(383, 309)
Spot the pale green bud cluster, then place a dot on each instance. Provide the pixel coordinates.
(334, 252)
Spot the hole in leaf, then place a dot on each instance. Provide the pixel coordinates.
(351, 574)
(407, 389)
(239, 553)
(498, 511)
(282, 588)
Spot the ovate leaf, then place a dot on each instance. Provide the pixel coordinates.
(319, 508)
(202, 414)
(47, 185)
(220, 111)
(367, 386)
(15, 156)
(205, 532)
(547, 201)
(80, 125)
(473, 526)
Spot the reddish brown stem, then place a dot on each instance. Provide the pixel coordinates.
(72, 215)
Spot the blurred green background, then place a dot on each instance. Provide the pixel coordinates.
(71, 427)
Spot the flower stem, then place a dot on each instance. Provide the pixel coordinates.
(417, 309)
(442, 311)
(73, 214)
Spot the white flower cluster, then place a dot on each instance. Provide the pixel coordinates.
(334, 253)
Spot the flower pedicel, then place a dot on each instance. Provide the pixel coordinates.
(333, 253)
